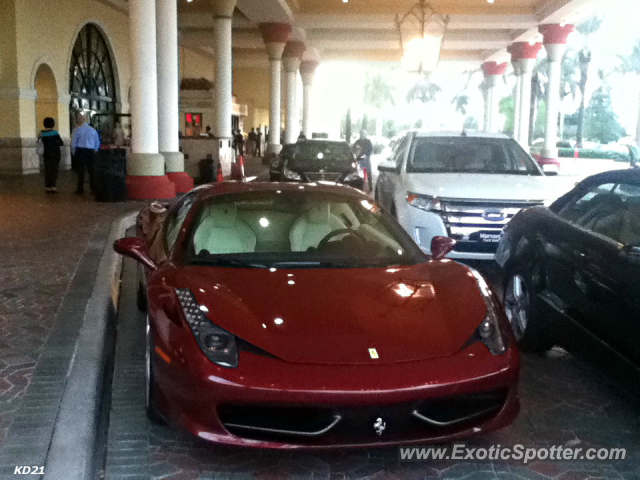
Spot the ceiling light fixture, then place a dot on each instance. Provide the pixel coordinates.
(422, 53)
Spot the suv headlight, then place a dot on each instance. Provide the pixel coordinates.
(353, 176)
(290, 174)
(489, 331)
(217, 344)
(424, 202)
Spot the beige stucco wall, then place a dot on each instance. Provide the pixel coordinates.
(46, 32)
(36, 32)
(251, 87)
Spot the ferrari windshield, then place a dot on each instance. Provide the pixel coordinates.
(298, 228)
(470, 155)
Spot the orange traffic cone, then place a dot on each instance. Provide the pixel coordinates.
(219, 176)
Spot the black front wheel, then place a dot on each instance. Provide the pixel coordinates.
(150, 388)
(519, 305)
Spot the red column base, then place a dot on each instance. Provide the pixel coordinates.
(150, 187)
(182, 181)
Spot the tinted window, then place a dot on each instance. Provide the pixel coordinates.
(298, 228)
(470, 155)
(322, 151)
(611, 210)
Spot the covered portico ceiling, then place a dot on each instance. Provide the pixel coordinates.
(364, 30)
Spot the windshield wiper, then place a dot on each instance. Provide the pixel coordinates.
(224, 261)
(294, 264)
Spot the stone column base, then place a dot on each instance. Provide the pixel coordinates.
(141, 187)
(174, 166)
(18, 156)
(182, 181)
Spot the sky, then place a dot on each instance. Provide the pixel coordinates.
(344, 82)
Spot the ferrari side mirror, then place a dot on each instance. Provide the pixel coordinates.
(441, 246)
(135, 248)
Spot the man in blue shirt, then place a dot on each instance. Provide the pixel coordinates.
(85, 142)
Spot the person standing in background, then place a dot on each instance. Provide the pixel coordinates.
(365, 147)
(85, 142)
(258, 152)
(51, 142)
(251, 142)
(239, 137)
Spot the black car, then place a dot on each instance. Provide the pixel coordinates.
(572, 271)
(317, 160)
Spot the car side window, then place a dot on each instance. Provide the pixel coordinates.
(576, 210)
(611, 210)
(401, 151)
(176, 219)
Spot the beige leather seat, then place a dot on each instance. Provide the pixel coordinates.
(312, 226)
(221, 231)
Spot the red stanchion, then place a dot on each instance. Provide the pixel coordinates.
(219, 176)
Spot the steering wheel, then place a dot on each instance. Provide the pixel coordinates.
(335, 233)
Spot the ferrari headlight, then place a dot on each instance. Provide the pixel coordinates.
(290, 174)
(217, 344)
(424, 202)
(489, 332)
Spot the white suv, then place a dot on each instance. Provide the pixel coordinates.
(466, 186)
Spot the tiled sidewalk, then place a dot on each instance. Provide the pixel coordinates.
(42, 241)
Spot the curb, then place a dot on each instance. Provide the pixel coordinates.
(71, 452)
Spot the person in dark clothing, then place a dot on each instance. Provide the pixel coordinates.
(51, 142)
(239, 139)
(251, 142)
(365, 148)
(302, 136)
(258, 152)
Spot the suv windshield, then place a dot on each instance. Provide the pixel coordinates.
(470, 155)
(314, 151)
(297, 229)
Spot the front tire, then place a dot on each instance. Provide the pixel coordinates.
(520, 308)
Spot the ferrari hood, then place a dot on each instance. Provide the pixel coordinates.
(343, 316)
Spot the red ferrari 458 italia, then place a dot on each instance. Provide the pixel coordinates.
(303, 316)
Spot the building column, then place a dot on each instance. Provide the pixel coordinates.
(527, 54)
(555, 42)
(168, 94)
(223, 152)
(275, 36)
(308, 66)
(291, 59)
(493, 72)
(517, 96)
(146, 177)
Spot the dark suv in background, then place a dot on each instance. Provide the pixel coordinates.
(317, 160)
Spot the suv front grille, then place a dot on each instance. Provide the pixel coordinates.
(477, 224)
(323, 176)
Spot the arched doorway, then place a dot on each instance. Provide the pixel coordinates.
(47, 101)
(92, 83)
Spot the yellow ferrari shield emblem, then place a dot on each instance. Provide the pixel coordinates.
(373, 353)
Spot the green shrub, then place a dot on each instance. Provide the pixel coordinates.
(594, 153)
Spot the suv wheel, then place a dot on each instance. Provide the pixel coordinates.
(519, 305)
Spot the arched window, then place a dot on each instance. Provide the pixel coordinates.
(92, 81)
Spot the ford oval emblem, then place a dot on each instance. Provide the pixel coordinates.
(494, 215)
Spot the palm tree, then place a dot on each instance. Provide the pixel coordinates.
(631, 64)
(424, 91)
(378, 94)
(569, 83)
(586, 29)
